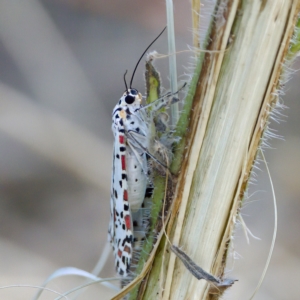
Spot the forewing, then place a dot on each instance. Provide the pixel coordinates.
(121, 231)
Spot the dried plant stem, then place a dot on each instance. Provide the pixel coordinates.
(233, 92)
(232, 100)
(196, 20)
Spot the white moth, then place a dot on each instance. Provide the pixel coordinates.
(133, 135)
(135, 143)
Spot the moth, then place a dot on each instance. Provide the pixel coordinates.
(135, 143)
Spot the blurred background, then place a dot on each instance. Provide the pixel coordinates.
(61, 73)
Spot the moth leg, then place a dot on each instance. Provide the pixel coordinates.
(134, 135)
(163, 100)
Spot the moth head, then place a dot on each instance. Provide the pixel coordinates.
(131, 97)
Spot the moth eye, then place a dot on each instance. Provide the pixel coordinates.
(133, 92)
(129, 99)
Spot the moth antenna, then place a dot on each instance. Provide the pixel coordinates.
(125, 82)
(144, 54)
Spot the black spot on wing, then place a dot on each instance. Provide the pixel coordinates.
(128, 239)
(117, 109)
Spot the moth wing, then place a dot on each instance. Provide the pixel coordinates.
(139, 157)
(121, 229)
(111, 230)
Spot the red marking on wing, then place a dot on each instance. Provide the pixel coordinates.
(121, 139)
(125, 195)
(127, 222)
(119, 253)
(123, 161)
